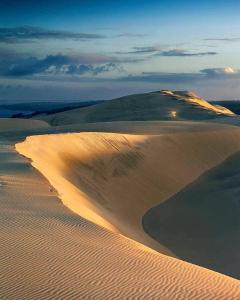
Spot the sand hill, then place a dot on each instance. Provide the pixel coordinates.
(163, 105)
(48, 252)
(114, 179)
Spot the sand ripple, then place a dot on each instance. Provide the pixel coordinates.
(48, 252)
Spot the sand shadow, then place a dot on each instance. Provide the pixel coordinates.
(201, 223)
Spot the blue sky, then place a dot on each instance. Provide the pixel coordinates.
(77, 50)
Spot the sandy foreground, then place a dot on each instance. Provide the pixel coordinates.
(49, 252)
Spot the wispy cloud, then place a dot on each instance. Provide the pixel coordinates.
(235, 39)
(184, 53)
(129, 34)
(158, 51)
(162, 77)
(30, 33)
(205, 74)
(142, 50)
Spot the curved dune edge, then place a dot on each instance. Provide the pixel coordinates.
(194, 99)
(114, 179)
(159, 105)
(47, 252)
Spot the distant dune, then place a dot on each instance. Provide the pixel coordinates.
(163, 105)
(21, 124)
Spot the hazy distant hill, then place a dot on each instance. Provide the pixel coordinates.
(161, 105)
(35, 108)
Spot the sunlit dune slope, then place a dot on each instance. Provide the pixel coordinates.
(163, 105)
(190, 97)
(113, 179)
(48, 252)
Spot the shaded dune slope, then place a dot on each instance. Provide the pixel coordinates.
(114, 179)
(7, 124)
(48, 252)
(163, 105)
(201, 223)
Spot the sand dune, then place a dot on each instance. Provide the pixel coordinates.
(48, 252)
(163, 105)
(21, 124)
(114, 179)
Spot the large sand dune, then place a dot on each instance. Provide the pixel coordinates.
(48, 252)
(163, 105)
(113, 179)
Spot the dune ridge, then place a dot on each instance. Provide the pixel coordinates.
(48, 252)
(160, 105)
(190, 97)
(114, 179)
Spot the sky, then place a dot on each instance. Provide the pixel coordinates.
(71, 50)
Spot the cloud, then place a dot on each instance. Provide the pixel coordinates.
(162, 77)
(128, 34)
(236, 39)
(53, 87)
(221, 72)
(29, 33)
(165, 77)
(57, 64)
(21, 64)
(183, 53)
(72, 69)
(142, 50)
(157, 51)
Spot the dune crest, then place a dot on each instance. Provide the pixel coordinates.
(48, 252)
(113, 179)
(160, 105)
(190, 97)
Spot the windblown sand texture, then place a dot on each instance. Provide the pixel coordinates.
(113, 179)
